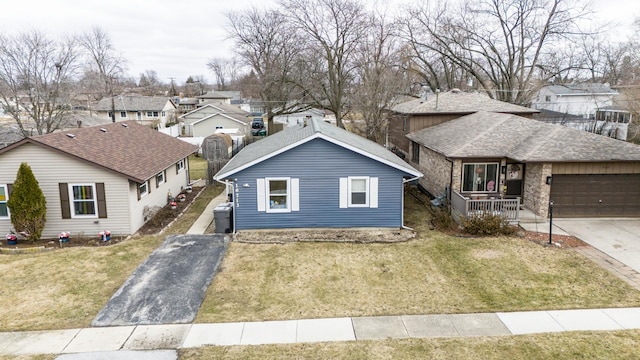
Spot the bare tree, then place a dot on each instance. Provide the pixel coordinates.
(225, 71)
(104, 60)
(500, 44)
(264, 41)
(149, 84)
(379, 78)
(35, 77)
(333, 31)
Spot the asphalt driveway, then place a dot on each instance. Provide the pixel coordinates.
(618, 238)
(169, 287)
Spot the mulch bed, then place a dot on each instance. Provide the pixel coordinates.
(160, 220)
(562, 241)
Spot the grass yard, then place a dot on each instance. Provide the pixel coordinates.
(435, 273)
(66, 288)
(572, 345)
(197, 168)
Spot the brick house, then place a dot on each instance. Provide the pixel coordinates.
(490, 155)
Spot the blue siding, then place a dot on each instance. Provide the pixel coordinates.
(319, 165)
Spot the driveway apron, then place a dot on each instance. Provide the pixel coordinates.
(169, 287)
(618, 238)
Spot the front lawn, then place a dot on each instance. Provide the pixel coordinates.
(65, 288)
(432, 274)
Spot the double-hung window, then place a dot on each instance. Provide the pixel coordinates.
(480, 177)
(83, 200)
(278, 195)
(359, 191)
(4, 197)
(123, 114)
(143, 189)
(160, 179)
(180, 165)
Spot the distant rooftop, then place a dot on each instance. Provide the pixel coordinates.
(458, 102)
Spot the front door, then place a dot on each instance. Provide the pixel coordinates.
(514, 180)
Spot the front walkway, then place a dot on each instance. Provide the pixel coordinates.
(123, 339)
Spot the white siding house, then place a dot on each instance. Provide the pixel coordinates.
(576, 99)
(98, 178)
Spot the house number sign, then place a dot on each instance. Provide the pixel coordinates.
(236, 198)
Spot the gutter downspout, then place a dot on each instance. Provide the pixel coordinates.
(404, 181)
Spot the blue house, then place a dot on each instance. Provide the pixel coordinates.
(316, 176)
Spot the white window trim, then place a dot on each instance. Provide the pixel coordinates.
(72, 201)
(143, 194)
(349, 191)
(371, 196)
(496, 179)
(6, 195)
(267, 195)
(180, 165)
(164, 178)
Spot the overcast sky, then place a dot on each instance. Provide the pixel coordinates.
(174, 38)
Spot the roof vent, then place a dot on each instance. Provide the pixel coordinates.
(71, 136)
(125, 125)
(103, 130)
(455, 90)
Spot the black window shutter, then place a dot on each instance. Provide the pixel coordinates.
(9, 189)
(102, 201)
(64, 200)
(138, 190)
(177, 170)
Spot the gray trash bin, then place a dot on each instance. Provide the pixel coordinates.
(223, 218)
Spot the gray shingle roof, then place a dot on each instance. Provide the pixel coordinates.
(492, 135)
(581, 89)
(134, 151)
(232, 111)
(294, 136)
(458, 102)
(133, 103)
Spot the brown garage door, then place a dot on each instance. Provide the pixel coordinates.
(596, 195)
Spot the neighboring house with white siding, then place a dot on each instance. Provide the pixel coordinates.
(154, 111)
(98, 178)
(205, 120)
(576, 99)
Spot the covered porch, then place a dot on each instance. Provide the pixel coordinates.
(482, 204)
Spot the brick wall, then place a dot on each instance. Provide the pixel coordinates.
(436, 169)
(536, 190)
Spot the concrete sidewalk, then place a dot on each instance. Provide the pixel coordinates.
(135, 342)
(206, 218)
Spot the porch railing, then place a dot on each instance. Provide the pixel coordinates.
(509, 208)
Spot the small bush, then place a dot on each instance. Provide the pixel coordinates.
(487, 224)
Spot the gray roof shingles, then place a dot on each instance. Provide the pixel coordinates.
(493, 135)
(135, 151)
(133, 103)
(458, 102)
(293, 136)
(581, 89)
